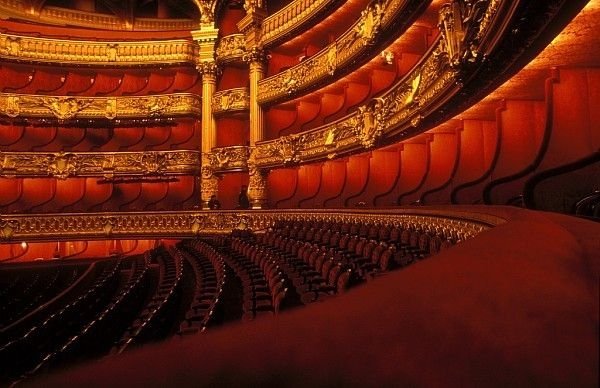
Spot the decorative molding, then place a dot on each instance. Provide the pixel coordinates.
(18, 9)
(295, 16)
(229, 159)
(231, 48)
(24, 48)
(398, 111)
(63, 165)
(66, 108)
(83, 226)
(353, 44)
(231, 100)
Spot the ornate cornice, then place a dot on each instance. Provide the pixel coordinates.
(231, 48)
(400, 110)
(69, 17)
(345, 52)
(63, 165)
(80, 226)
(295, 16)
(229, 159)
(67, 108)
(24, 48)
(231, 100)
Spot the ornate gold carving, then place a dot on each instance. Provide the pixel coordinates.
(459, 24)
(74, 226)
(321, 67)
(292, 17)
(231, 100)
(255, 54)
(66, 108)
(208, 68)
(231, 48)
(369, 24)
(62, 165)
(227, 159)
(137, 53)
(252, 5)
(18, 9)
(207, 10)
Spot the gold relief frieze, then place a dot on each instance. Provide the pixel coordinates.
(231, 48)
(231, 100)
(351, 45)
(18, 9)
(229, 159)
(67, 108)
(72, 226)
(138, 53)
(63, 165)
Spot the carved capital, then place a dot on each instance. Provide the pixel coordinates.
(255, 54)
(208, 69)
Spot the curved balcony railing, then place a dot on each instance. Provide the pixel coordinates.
(231, 48)
(230, 101)
(81, 52)
(62, 16)
(124, 107)
(292, 18)
(73, 226)
(372, 28)
(63, 165)
(405, 108)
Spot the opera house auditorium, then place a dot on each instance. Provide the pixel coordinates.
(299, 193)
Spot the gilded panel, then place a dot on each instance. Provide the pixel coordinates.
(231, 100)
(231, 48)
(63, 165)
(66, 108)
(228, 159)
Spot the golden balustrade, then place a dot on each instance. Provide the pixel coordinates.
(187, 224)
(25, 48)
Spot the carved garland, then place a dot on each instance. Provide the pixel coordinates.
(228, 159)
(63, 165)
(66, 108)
(231, 48)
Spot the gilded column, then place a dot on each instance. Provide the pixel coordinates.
(206, 38)
(255, 56)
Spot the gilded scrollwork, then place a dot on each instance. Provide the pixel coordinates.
(369, 24)
(79, 226)
(231, 48)
(122, 53)
(67, 108)
(63, 165)
(231, 100)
